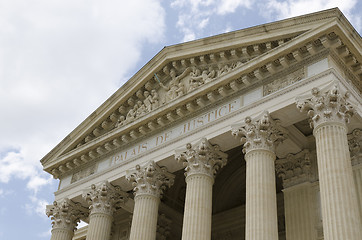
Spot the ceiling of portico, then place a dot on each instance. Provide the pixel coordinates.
(184, 78)
(228, 189)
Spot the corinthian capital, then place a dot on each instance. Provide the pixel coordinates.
(260, 133)
(295, 168)
(355, 146)
(65, 214)
(150, 179)
(328, 105)
(202, 158)
(104, 198)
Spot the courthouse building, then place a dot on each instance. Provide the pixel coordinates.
(253, 134)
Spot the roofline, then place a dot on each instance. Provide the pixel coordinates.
(165, 55)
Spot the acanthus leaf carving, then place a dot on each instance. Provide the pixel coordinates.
(66, 214)
(327, 105)
(261, 133)
(355, 145)
(150, 179)
(163, 227)
(202, 158)
(104, 198)
(295, 168)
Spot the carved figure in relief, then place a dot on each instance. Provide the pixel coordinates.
(154, 101)
(205, 77)
(131, 115)
(223, 69)
(147, 101)
(236, 64)
(121, 121)
(141, 109)
(175, 88)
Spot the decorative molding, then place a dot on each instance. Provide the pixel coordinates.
(104, 198)
(326, 106)
(243, 73)
(329, 72)
(283, 82)
(83, 173)
(150, 179)
(295, 168)
(66, 214)
(202, 158)
(163, 227)
(261, 133)
(355, 146)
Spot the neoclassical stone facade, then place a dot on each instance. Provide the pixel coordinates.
(254, 134)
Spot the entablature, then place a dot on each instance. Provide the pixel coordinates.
(186, 81)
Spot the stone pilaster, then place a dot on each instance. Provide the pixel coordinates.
(65, 218)
(149, 183)
(260, 137)
(329, 112)
(201, 164)
(355, 149)
(102, 201)
(299, 201)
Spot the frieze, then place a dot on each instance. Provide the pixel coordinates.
(196, 71)
(83, 173)
(179, 78)
(179, 130)
(281, 83)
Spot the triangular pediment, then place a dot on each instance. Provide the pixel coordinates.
(183, 78)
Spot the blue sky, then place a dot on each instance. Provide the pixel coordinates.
(61, 59)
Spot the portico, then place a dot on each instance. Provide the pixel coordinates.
(247, 135)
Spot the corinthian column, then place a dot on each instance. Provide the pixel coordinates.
(355, 148)
(102, 200)
(329, 111)
(299, 201)
(260, 137)
(65, 218)
(149, 182)
(202, 162)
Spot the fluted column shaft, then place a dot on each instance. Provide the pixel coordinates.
(357, 175)
(102, 200)
(144, 221)
(201, 164)
(149, 182)
(260, 137)
(298, 208)
(261, 207)
(329, 111)
(62, 234)
(198, 208)
(65, 216)
(99, 227)
(341, 219)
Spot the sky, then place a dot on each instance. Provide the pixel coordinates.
(61, 59)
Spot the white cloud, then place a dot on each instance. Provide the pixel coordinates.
(229, 6)
(59, 60)
(291, 8)
(36, 182)
(195, 15)
(36, 206)
(203, 23)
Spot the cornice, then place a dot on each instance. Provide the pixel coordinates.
(267, 64)
(330, 72)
